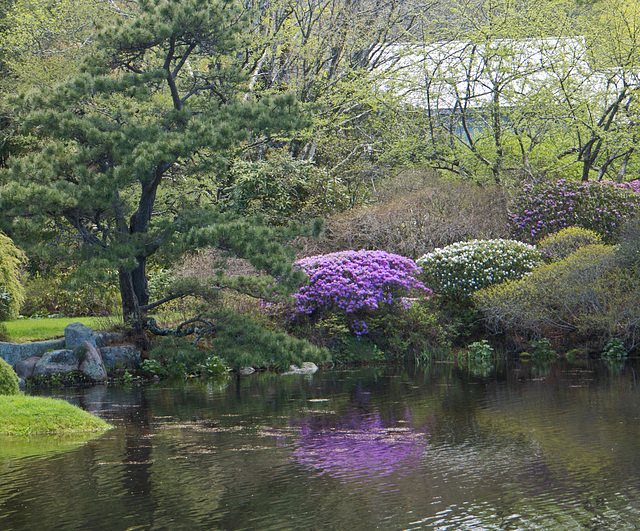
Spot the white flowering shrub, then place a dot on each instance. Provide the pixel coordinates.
(458, 270)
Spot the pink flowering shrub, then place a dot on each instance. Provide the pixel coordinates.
(354, 284)
(547, 208)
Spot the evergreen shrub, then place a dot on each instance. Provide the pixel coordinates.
(8, 379)
(546, 208)
(11, 289)
(585, 297)
(244, 342)
(355, 284)
(58, 292)
(561, 244)
(283, 188)
(458, 270)
(629, 248)
(238, 341)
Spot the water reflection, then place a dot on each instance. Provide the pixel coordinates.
(359, 443)
(524, 446)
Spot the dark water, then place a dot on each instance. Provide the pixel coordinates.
(532, 447)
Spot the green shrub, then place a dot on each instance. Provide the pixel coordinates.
(60, 293)
(239, 341)
(175, 357)
(614, 349)
(458, 270)
(401, 333)
(548, 207)
(480, 349)
(243, 342)
(561, 244)
(541, 348)
(8, 379)
(283, 188)
(11, 289)
(629, 248)
(585, 297)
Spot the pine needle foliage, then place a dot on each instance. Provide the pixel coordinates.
(127, 147)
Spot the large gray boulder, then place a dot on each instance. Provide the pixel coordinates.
(56, 362)
(91, 362)
(12, 353)
(76, 333)
(24, 368)
(121, 357)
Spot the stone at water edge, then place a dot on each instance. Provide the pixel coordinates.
(91, 364)
(24, 368)
(246, 371)
(306, 368)
(56, 362)
(76, 333)
(12, 353)
(123, 357)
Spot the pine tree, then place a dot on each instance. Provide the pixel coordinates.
(109, 184)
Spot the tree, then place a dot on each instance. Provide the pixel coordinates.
(327, 52)
(519, 91)
(162, 99)
(11, 290)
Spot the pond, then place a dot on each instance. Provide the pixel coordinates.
(546, 446)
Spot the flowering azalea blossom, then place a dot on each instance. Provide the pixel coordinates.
(355, 281)
(464, 267)
(598, 206)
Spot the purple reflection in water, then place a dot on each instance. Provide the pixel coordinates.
(359, 446)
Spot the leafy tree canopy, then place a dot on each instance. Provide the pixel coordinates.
(110, 182)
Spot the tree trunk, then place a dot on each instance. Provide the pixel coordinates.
(134, 292)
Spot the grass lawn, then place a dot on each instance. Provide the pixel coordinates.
(26, 330)
(30, 415)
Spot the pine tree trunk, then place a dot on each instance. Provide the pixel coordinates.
(134, 293)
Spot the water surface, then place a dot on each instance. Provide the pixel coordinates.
(529, 447)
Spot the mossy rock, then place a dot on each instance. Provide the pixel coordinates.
(8, 379)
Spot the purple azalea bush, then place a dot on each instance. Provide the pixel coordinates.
(549, 207)
(353, 283)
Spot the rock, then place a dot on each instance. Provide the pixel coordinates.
(246, 371)
(12, 353)
(124, 356)
(24, 368)
(107, 338)
(56, 361)
(91, 364)
(306, 368)
(76, 333)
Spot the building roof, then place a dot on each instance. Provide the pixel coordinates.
(446, 75)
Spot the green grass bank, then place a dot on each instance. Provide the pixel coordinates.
(26, 330)
(30, 415)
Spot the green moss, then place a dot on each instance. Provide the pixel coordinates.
(8, 379)
(29, 415)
